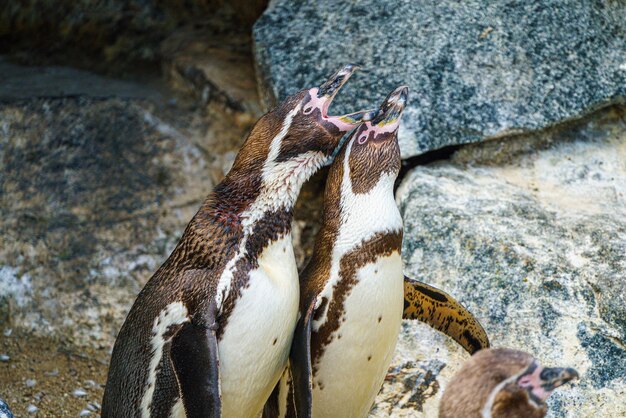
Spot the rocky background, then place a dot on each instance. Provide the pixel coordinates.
(118, 117)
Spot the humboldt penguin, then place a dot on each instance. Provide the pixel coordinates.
(209, 335)
(354, 294)
(502, 383)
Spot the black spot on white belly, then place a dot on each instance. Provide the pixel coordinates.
(320, 311)
(380, 318)
(275, 341)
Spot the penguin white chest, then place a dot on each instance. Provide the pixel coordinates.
(255, 345)
(353, 365)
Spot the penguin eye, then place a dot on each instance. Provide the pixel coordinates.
(362, 140)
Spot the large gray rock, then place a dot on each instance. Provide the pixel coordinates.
(530, 234)
(98, 179)
(476, 69)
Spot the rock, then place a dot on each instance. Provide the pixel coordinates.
(197, 63)
(476, 69)
(530, 234)
(82, 203)
(115, 36)
(27, 82)
(94, 194)
(79, 393)
(93, 406)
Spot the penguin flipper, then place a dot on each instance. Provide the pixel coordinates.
(445, 314)
(196, 365)
(300, 362)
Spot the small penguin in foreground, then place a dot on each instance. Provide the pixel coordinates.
(351, 302)
(502, 383)
(210, 333)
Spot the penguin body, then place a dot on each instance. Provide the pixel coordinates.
(210, 333)
(351, 291)
(364, 312)
(502, 383)
(351, 308)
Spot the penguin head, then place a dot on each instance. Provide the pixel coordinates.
(539, 381)
(288, 144)
(373, 147)
(503, 382)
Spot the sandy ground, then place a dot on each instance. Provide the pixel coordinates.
(56, 378)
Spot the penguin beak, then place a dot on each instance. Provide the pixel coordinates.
(331, 86)
(357, 117)
(391, 109)
(541, 381)
(553, 377)
(327, 92)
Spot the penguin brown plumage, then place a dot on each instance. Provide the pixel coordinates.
(210, 332)
(502, 383)
(352, 289)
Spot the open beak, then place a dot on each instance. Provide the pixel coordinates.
(327, 92)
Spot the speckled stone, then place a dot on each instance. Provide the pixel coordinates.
(113, 36)
(476, 69)
(98, 180)
(530, 234)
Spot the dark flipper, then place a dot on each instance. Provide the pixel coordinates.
(272, 405)
(442, 312)
(196, 364)
(300, 361)
(270, 409)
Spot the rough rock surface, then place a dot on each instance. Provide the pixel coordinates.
(196, 63)
(94, 193)
(113, 36)
(476, 69)
(530, 234)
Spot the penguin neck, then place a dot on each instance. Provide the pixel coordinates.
(283, 180)
(272, 189)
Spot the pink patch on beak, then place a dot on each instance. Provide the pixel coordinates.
(321, 103)
(533, 382)
(388, 128)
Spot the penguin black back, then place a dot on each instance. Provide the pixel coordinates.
(189, 346)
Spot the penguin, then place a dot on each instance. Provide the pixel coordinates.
(5, 411)
(354, 294)
(210, 333)
(502, 383)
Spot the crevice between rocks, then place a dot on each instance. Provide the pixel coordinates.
(424, 159)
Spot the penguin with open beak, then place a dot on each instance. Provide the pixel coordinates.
(209, 335)
(354, 294)
(502, 383)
